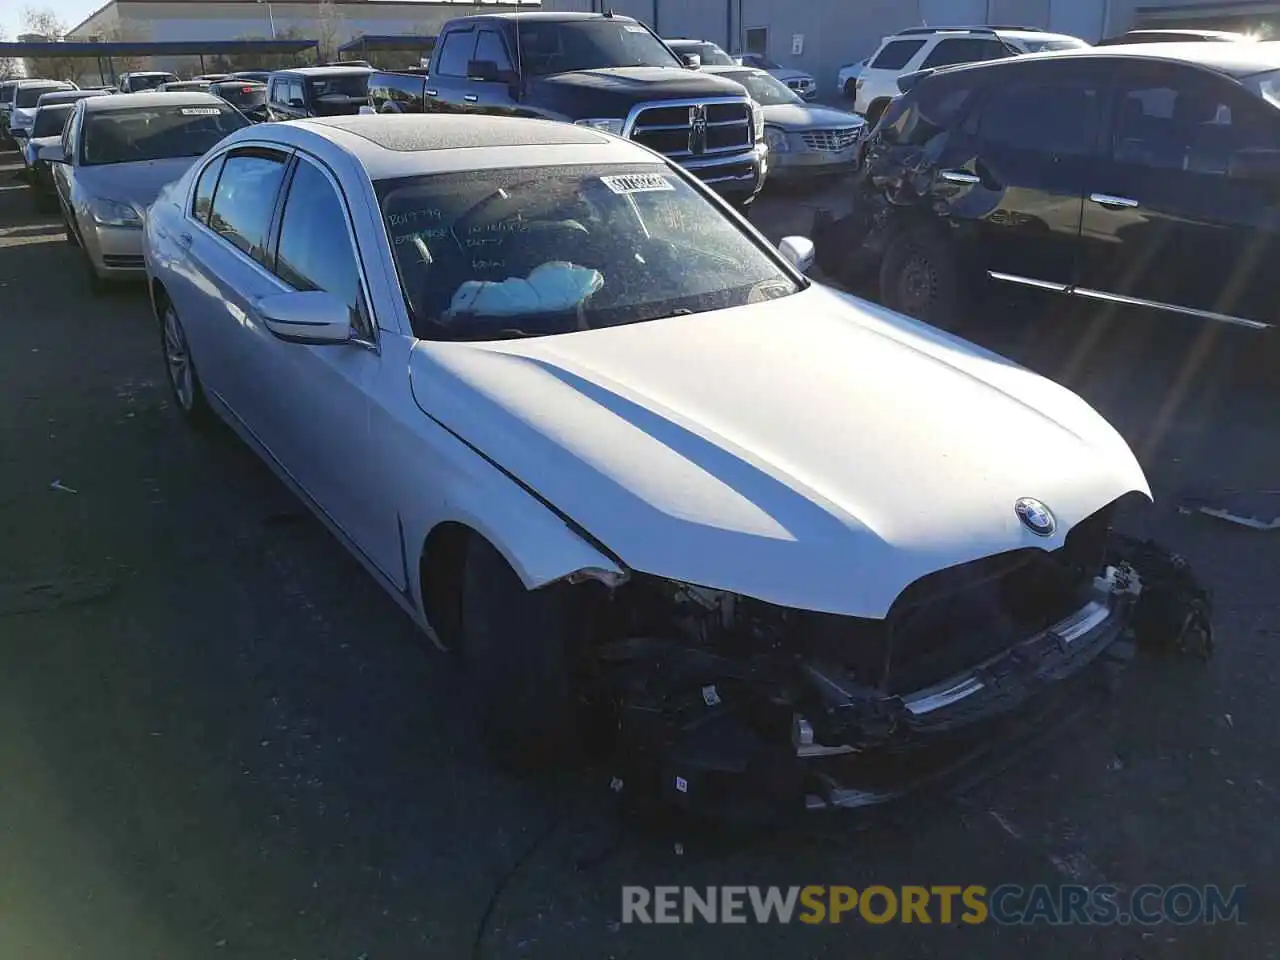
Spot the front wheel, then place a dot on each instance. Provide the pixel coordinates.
(519, 646)
(184, 383)
(919, 277)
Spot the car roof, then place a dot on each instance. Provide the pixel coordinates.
(68, 96)
(390, 146)
(1035, 35)
(43, 82)
(554, 15)
(1230, 59)
(119, 101)
(325, 71)
(149, 73)
(722, 69)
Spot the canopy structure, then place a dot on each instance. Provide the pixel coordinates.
(104, 51)
(398, 44)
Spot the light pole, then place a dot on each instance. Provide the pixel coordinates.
(271, 17)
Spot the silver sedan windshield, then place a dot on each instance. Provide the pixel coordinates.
(529, 252)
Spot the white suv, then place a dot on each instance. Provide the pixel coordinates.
(922, 48)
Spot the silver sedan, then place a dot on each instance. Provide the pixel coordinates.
(804, 139)
(115, 155)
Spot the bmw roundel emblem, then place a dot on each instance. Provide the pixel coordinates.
(1035, 516)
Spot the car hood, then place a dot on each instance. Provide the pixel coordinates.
(786, 73)
(34, 145)
(136, 183)
(801, 116)
(22, 116)
(646, 83)
(814, 451)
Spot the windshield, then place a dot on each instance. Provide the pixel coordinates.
(712, 55)
(765, 88)
(29, 96)
(340, 85)
(242, 94)
(548, 47)
(133, 134)
(1037, 46)
(51, 120)
(1265, 85)
(149, 81)
(761, 61)
(495, 254)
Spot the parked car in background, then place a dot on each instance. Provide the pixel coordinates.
(926, 48)
(708, 53)
(317, 92)
(804, 139)
(22, 135)
(259, 76)
(1176, 36)
(247, 97)
(26, 95)
(212, 77)
(51, 116)
(184, 86)
(798, 80)
(610, 73)
(7, 88)
(139, 80)
(115, 154)
(1146, 175)
(847, 79)
(596, 481)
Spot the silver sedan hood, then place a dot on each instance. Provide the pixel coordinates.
(801, 116)
(135, 183)
(814, 451)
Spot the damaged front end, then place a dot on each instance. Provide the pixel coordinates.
(739, 710)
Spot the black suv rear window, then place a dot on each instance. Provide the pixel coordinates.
(896, 55)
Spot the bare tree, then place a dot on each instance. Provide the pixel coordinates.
(129, 34)
(8, 65)
(50, 26)
(330, 29)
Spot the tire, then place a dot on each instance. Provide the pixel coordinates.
(850, 88)
(97, 284)
(68, 232)
(518, 646)
(875, 112)
(919, 277)
(180, 370)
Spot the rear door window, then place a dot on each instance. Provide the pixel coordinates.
(964, 50)
(1054, 116)
(245, 199)
(896, 54)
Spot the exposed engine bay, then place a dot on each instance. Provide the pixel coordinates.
(736, 709)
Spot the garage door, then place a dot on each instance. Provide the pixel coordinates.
(1079, 18)
(952, 13)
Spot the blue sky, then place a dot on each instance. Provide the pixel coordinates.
(70, 12)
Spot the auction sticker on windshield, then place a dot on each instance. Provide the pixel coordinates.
(200, 111)
(625, 183)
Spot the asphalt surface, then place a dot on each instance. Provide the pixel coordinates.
(219, 739)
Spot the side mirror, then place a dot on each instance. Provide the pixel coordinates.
(51, 153)
(1255, 165)
(297, 104)
(311, 316)
(692, 60)
(483, 70)
(797, 251)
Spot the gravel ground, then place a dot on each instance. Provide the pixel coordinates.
(219, 739)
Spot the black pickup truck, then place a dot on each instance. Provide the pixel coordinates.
(603, 71)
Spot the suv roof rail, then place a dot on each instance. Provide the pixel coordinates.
(980, 28)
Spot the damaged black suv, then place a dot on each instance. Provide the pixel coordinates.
(1145, 175)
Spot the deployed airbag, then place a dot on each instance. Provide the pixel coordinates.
(551, 287)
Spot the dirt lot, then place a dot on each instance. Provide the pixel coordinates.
(219, 739)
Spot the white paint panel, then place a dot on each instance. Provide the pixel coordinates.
(1079, 18)
(946, 13)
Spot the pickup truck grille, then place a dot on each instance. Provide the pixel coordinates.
(696, 129)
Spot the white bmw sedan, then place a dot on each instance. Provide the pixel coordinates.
(592, 431)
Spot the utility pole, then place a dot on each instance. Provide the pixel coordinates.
(271, 17)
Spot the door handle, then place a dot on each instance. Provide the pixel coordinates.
(960, 176)
(431, 93)
(1113, 203)
(470, 98)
